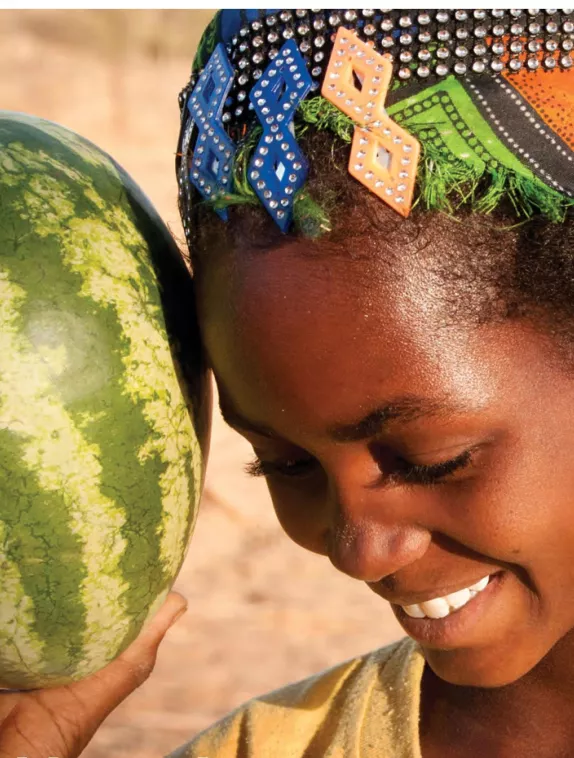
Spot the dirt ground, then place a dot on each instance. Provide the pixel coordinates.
(262, 612)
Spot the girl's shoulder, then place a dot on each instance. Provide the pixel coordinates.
(368, 705)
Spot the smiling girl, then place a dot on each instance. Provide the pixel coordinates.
(399, 356)
(378, 210)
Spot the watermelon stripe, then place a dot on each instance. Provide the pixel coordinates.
(96, 251)
(67, 470)
(176, 442)
(19, 639)
(32, 575)
(113, 277)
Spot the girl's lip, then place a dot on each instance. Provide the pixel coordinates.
(454, 630)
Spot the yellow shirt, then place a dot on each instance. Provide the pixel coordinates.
(367, 707)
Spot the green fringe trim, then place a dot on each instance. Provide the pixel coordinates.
(324, 116)
(447, 185)
(245, 150)
(242, 193)
(309, 218)
(532, 196)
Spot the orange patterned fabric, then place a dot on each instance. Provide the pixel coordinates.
(551, 94)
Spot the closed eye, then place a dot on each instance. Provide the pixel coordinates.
(410, 473)
(405, 472)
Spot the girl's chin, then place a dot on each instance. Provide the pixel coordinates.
(474, 668)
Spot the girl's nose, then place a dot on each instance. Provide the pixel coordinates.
(369, 539)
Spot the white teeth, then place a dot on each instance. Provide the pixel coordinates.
(414, 611)
(436, 609)
(480, 585)
(439, 607)
(457, 599)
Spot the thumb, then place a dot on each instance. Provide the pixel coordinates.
(61, 721)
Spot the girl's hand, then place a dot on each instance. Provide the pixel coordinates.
(59, 722)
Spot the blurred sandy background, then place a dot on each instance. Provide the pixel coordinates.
(261, 611)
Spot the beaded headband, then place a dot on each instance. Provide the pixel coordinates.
(439, 107)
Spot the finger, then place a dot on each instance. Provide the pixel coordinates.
(60, 722)
(146, 645)
(121, 677)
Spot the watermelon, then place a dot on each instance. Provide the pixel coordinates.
(104, 406)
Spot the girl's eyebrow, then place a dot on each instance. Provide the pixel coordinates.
(403, 409)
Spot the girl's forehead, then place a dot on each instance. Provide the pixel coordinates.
(364, 286)
(304, 329)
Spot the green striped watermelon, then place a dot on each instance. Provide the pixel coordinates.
(104, 406)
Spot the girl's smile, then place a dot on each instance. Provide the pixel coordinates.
(445, 604)
(451, 627)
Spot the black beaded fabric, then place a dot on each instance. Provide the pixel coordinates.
(424, 45)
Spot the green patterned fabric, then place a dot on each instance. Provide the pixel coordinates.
(463, 159)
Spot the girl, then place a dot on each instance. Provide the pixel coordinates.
(378, 209)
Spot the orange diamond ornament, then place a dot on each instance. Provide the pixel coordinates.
(384, 157)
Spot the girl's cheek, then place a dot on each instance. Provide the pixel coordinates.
(302, 518)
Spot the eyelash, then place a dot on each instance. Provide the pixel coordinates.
(409, 474)
(287, 467)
